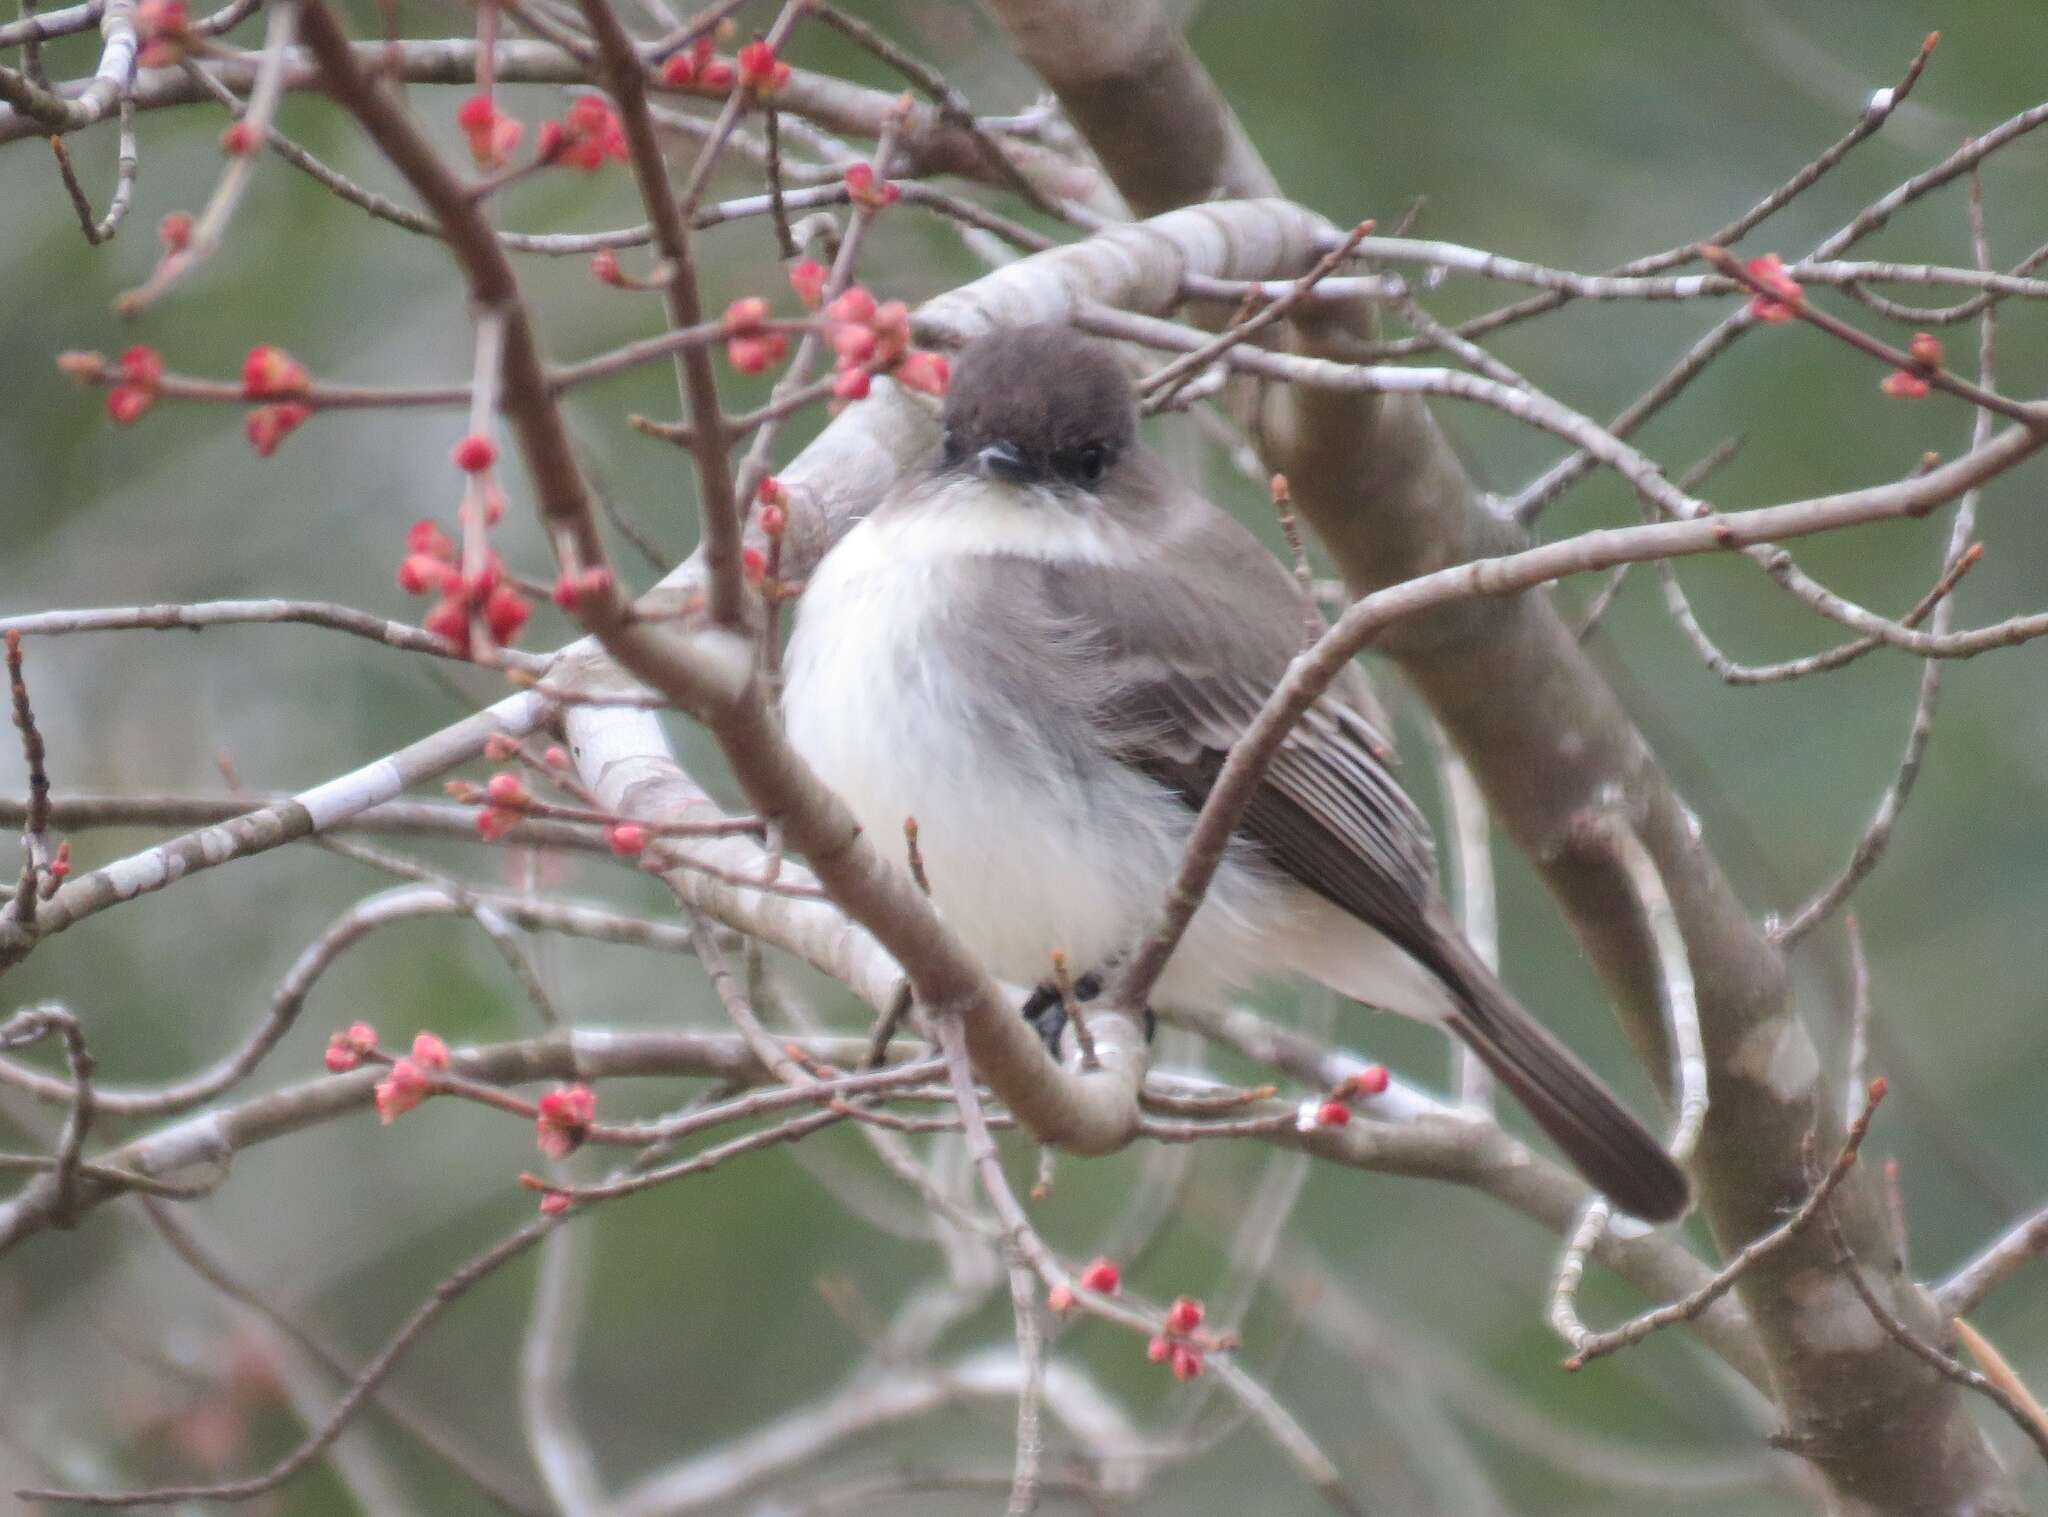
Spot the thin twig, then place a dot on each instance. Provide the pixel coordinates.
(1920, 1348)
(1870, 846)
(35, 835)
(1588, 1346)
(1967, 1287)
(212, 223)
(2030, 415)
(778, 213)
(953, 107)
(127, 161)
(32, 1026)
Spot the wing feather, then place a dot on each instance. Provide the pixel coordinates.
(1180, 657)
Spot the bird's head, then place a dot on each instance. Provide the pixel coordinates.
(1038, 406)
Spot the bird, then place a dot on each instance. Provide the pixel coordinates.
(1040, 645)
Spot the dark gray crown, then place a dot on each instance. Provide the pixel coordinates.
(1039, 404)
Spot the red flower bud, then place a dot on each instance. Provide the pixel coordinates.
(476, 114)
(1159, 1350)
(1904, 386)
(1333, 1114)
(852, 384)
(240, 140)
(126, 402)
(571, 589)
(564, 1119)
(854, 344)
(752, 355)
(1103, 1277)
(554, 1203)
(419, 573)
(492, 823)
(1785, 293)
(475, 453)
(505, 613)
(1187, 1364)
(426, 537)
(143, 365)
(492, 147)
(808, 280)
(400, 1091)
(774, 520)
(760, 70)
(508, 790)
(604, 268)
(923, 371)
(175, 231)
(744, 316)
(267, 426)
(892, 328)
(866, 190)
(680, 72)
(626, 838)
(1926, 349)
(450, 621)
(556, 757)
(716, 75)
(1184, 1316)
(1060, 1300)
(269, 372)
(429, 1052)
(854, 305)
(1369, 1081)
(754, 565)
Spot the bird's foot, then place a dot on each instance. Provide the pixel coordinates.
(1046, 1011)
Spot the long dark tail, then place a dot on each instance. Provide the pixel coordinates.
(1614, 1151)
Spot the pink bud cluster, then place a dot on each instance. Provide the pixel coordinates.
(412, 1078)
(751, 345)
(585, 138)
(1782, 303)
(492, 133)
(164, 28)
(700, 69)
(142, 370)
(1182, 1345)
(564, 1119)
(272, 375)
(872, 338)
(429, 567)
(1911, 383)
(1336, 1108)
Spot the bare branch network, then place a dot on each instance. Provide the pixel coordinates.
(1131, 205)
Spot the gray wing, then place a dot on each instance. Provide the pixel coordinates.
(1177, 660)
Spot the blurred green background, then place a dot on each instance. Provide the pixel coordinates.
(1577, 135)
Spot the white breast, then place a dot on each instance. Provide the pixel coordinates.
(1023, 858)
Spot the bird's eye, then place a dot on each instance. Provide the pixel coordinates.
(1084, 465)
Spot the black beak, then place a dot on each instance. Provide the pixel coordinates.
(1002, 461)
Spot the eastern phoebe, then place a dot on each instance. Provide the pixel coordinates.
(1043, 647)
